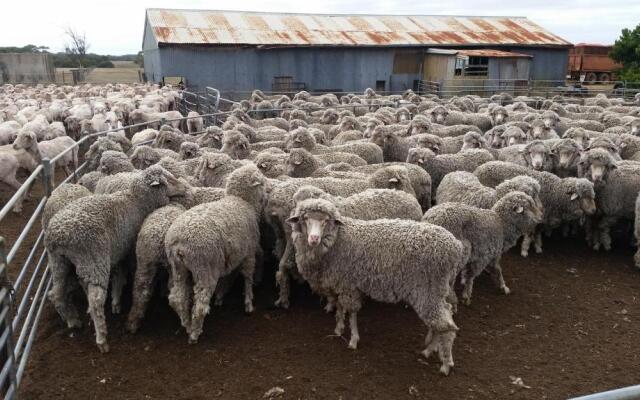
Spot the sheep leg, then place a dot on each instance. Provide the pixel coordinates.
(441, 332)
(60, 293)
(248, 269)
(467, 281)
(353, 325)
(97, 296)
(340, 313)
(538, 242)
(223, 287)
(13, 182)
(142, 290)
(526, 244)
(179, 298)
(202, 292)
(604, 228)
(282, 276)
(331, 304)
(118, 280)
(496, 273)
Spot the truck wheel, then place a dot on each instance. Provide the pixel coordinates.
(591, 77)
(604, 77)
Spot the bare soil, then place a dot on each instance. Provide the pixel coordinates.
(570, 327)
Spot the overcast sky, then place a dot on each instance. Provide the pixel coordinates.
(115, 26)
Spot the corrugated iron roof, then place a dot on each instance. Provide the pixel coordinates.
(493, 54)
(281, 29)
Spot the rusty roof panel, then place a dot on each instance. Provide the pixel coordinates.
(274, 29)
(492, 54)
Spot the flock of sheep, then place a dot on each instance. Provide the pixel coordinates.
(365, 196)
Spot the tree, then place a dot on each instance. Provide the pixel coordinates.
(626, 49)
(77, 46)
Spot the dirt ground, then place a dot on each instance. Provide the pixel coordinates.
(570, 327)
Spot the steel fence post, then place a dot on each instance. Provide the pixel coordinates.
(7, 354)
(47, 176)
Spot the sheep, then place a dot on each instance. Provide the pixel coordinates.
(272, 165)
(563, 199)
(535, 155)
(214, 168)
(498, 115)
(9, 164)
(27, 141)
(629, 146)
(111, 163)
(566, 155)
(464, 187)
(369, 204)
(213, 240)
(212, 137)
(195, 123)
(439, 166)
(93, 235)
(236, 145)
(513, 135)
(394, 147)
(616, 186)
(487, 233)
(540, 131)
(8, 132)
(636, 230)
(59, 198)
(145, 156)
(144, 136)
(303, 164)
(405, 261)
(189, 150)
(168, 139)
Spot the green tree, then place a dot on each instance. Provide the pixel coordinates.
(626, 49)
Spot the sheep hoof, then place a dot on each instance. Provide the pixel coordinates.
(353, 344)
(103, 347)
(218, 302)
(538, 250)
(132, 327)
(427, 353)
(466, 301)
(116, 309)
(445, 369)
(524, 254)
(248, 308)
(282, 303)
(328, 308)
(505, 289)
(193, 340)
(74, 324)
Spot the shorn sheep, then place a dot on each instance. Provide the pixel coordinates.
(386, 260)
(92, 236)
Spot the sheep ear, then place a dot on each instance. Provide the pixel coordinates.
(293, 220)
(263, 165)
(518, 209)
(338, 221)
(154, 183)
(574, 196)
(623, 145)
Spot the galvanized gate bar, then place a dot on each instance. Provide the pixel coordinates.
(628, 393)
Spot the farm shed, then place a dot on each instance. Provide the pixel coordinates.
(26, 68)
(238, 51)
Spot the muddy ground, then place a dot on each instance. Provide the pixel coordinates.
(571, 326)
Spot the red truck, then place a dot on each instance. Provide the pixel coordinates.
(591, 63)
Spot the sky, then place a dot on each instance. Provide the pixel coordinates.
(115, 26)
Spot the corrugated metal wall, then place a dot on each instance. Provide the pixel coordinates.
(229, 69)
(547, 64)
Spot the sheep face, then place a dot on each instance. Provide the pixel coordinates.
(499, 115)
(579, 135)
(536, 154)
(596, 164)
(419, 125)
(514, 135)
(473, 140)
(566, 153)
(211, 138)
(635, 127)
(550, 119)
(372, 124)
(301, 138)
(586, 196)
(26, 141)
(189, 150)
(439, 115)
(419, 156)
(539, 130)
(403, 115)
(163, 183)
(431, 142)
(236, 145)
(317, 220)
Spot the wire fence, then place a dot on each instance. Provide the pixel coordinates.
(22, 299)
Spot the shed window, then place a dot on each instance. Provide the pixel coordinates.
(477, 66)
(381, 86)
(459, 66)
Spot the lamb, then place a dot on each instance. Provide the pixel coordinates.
(563, 199)
(439, 166)
(60, 197)
(464, 187)
(195, 123)
(405, 261)
(616, 186)
(213, 240)
(486, 234)
(93, 235)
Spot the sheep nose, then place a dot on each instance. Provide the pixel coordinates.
(314, 240)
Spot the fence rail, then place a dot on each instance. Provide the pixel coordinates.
(22, 299)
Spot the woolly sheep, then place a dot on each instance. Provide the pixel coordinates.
(93, 235)
(535, 155)
(214, 168)
(60, 197)
(439, 166)
(567, 154)
(487, 233)
(144, 156)
(213, 240)
(405, 261)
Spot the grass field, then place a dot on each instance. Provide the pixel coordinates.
(124, 72)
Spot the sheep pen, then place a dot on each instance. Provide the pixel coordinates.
(570, 308)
